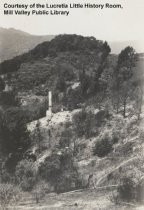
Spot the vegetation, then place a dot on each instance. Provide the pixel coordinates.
(124, 76)
(25, 174)
(2, 85)
(126, 190)
(107, 90)
(9, 195)
(83, 123)
(129, 191)
(103, 147)
(14, 136)
(59, 170)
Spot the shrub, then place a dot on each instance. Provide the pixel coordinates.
(83, 123)
(100, 117)
(50, 169)
(140, 191)
(103, 147)
(25, 175)
(126, 149)
(127, 190)
(115, 136)
(5, 176)
(74, 99)
(60, 172)
(40, 190)
(66, 137)
(14, 136)
(8, 194)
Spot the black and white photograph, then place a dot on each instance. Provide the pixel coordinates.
(71, 105)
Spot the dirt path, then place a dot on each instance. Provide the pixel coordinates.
(114, 169)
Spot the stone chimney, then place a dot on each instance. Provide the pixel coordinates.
(49, 111)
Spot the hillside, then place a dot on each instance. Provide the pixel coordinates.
(57, 65)
(125, 158)
(15, 42)
(88, 152)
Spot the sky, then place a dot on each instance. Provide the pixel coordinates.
(105, 24)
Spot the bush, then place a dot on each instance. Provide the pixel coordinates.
(25, 175)
(115, 136)
(60, 172)
(66, 138)
(83, 123)
(15, 138)
(101, 116)
(127, 190)
(103, 147)
(50, 169)
(40, 190)
(140, 191)
(9, 194)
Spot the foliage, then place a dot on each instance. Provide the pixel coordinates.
(83, 123)
(50, 168)
(15, 137)
(40, 190)
(38, 194)
(61, 43)
(38, 136)
(140, 191)
(127, 58)
(2, 85)
(66, 138)
(25, 175)
(74, 99)
(59, 170)
(85, 82)
(54, 66)
(9, 194)
(127, 190)
(123, 77)
(9, 99)
(103, 146)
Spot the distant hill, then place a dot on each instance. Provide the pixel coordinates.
(59, 65)
(15, 42)
(82, 47)
(116, 47)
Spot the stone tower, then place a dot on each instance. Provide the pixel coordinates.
(49, 111)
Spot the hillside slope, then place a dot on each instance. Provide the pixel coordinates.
(126, 159)
(91, 143)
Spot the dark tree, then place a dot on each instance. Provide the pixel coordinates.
(2, 84)
(14, 136)
(123, 76)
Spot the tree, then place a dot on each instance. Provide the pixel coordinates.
(123, 75)
(2, 84)
(9, 99)
(139, 90)
(14, 136)
(84, 83)
(140, 96)
(125, 93)
(96, 80)
(38, 136)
